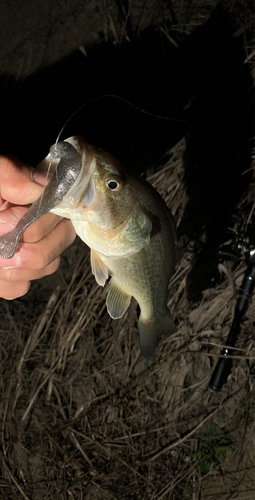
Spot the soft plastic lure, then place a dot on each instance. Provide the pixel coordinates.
(66, 173)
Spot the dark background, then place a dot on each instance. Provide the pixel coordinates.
(202, 86)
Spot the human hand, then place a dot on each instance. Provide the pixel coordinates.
(42, 243)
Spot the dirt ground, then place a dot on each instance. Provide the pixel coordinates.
(84, 416)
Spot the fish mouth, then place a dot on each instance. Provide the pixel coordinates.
(82, 188)
(81, 146)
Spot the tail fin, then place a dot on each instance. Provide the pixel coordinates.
(150, 332)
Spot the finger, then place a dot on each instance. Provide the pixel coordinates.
(39, 255)
(16, 182)
(15, 275)
(11, 291)
(38, 230)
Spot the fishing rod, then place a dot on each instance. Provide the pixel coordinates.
(244, 244)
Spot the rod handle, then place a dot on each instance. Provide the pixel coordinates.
(220, 373)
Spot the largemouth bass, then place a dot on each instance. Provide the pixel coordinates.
(131, 234)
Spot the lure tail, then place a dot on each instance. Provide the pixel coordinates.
(150, 332)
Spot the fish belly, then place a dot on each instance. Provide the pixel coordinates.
(145, 275)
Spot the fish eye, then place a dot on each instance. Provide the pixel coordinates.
(113, 184)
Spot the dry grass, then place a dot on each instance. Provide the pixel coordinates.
(83, 415)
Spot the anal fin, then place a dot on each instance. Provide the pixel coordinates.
(117, 301)
(98, 268)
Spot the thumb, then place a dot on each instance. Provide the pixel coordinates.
(17, 183)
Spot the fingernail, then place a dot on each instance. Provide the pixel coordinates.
(41, 177)
(10, 263)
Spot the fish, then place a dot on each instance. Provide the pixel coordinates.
(132, 238)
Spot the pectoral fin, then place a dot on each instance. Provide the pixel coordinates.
(98, 268)
(117, 301)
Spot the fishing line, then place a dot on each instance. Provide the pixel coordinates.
(127, 103)
(122, 100)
